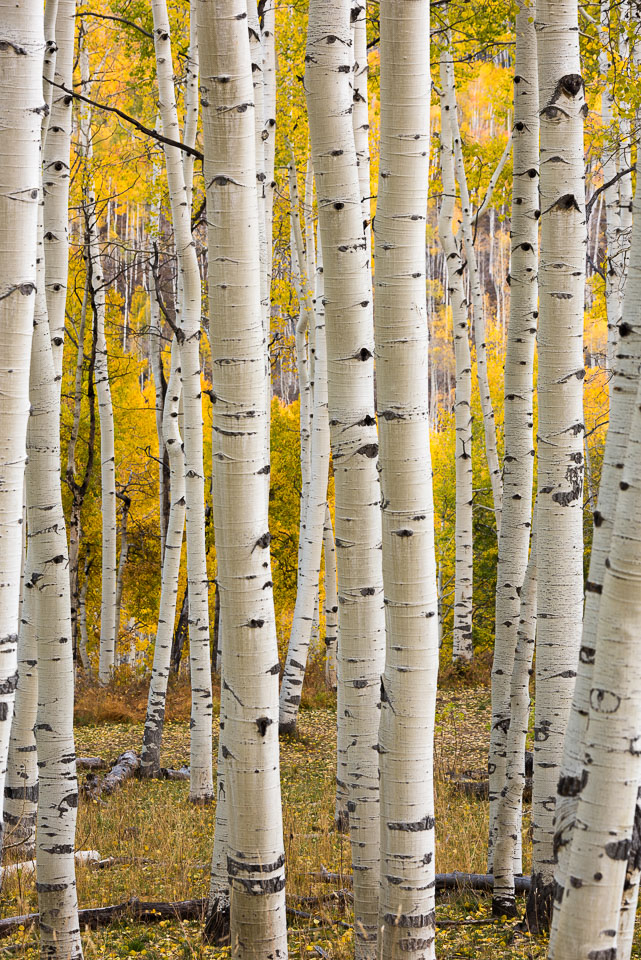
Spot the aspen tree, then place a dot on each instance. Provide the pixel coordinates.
(201, 787)
(311, 530)
(408, 687)
(509, 803)
(478, 319)
(21, 110)
(249, 741)
(348, 297)
(462, 648)
(56, 171)
(154, 722)
(560, 430)
(58, 785)
(518, 462)
(623, 387)
(360, 111)
(587, 908)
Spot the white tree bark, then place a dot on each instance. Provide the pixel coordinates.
(509, 803)
(587, 908)
(360, 112)
(348, 297)
(331, 602)
(311, 530)
(21, 111)
(58, 789)
(560, 447)
(255, 853)
(56, 171)
(462, 647)
(518, 462)
(201, 788)
(154, 722)
(489, 426)
(407, 922)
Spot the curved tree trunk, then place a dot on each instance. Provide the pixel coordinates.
(348, 297)
(408, 688)
(462, 646)
(560, 448)
(201, 786)
(21, 109)
(154, 722)
(249, 740)
(518, 463)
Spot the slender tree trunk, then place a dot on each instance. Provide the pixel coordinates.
(249, 741)
(21, 110)
(201, 777)
(312, 537)
(408, 687)
(518, 463)
(560, 447)
(82, 620)
(154, 722)
(348, 297)
(510, 802)
(122, 559)
(462, 646)
(489, 425)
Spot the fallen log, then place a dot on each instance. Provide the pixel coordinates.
(91, 763)
(141, 910)
(125, 767)
(444, 881)
(29, 866)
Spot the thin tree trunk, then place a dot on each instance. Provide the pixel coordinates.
(331, 602)
(462, 645)
(489, 425)
(407, 920)
(561, 429)
(348, 298)
(518, 462)
(249, 741)
(201, 787)
(154, 722)
(21, 108)
(122, 559)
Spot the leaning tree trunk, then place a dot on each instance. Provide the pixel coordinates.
(348, 297)
(408, 686)
(201, 788)
(587, 909)
(518, 462)
(462, 646)
(560, 447)
(255, 853)
(154, 722)
(21, 108)
(627, 361)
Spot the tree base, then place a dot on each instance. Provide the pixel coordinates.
(217, 929)
(288, 728)
(538, 910)
(504, 907)
(341, 821)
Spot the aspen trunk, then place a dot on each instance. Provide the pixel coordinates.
(587, 909)
(510, 802)
(249, 740)
(560, 379)
(201, 787)
(348, 298)
(21, 110)
(489, 425)
(518, 463)
(312, 535)
(462, 647)
(154, 722)
(408, 686)
(122, 559)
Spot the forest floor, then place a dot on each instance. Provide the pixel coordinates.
(164, 845)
